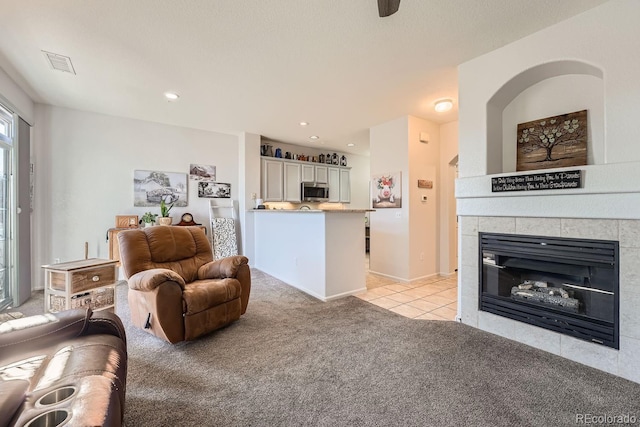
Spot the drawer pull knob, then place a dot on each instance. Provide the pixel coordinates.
(95, 278)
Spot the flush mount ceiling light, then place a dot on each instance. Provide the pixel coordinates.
(314, 137)
(351, 144)
(304, 123)
(171, 96)
(443, 105)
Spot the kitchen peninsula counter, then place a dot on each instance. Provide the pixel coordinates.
(314, 210)
(320, 252)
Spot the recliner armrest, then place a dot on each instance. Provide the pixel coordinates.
(148, 280)
(222, 268)
(42, 330)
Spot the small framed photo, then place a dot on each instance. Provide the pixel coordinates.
(126, 221)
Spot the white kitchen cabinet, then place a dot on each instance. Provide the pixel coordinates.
(281, 180)
(322, 174)
(292, 179)
(272, 180)
(308, 173)
(334, 184)
(345, 186)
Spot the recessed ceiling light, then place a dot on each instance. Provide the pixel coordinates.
(443, 105)
(171, 96)
(351, 144)
(314, 137)
(304, 123)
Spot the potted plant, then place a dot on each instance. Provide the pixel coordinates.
(165, 219)
(148, 219)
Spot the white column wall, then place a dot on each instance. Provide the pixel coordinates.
(389, 228)
(448, 237)
(424, 221)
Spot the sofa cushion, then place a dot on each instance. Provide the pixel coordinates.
(203, 294)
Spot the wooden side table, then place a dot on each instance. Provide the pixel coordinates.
(77, 284)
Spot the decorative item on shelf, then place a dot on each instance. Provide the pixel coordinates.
(165, 219)
(294, 157)
(148, 219)
(334, 159)
(321, 158)
(343, 161)
(187, 219)
(552, 142)
(314, 159)
(302, 157)
(126, 221)
(279, 153)
(266, 150)
(287, 155)
(327, 159)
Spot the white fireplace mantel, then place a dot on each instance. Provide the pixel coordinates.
(609, 191)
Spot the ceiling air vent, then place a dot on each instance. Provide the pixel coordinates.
(59, 62)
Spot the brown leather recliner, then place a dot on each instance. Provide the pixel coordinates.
(176, 291)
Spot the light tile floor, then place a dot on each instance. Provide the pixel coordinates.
(435, 298)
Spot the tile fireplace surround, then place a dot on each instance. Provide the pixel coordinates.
(624, 362)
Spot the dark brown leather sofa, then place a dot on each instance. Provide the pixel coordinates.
(176, 290)
(67, 368)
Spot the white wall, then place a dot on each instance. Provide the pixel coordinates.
(404, 242)
(604, 37)
(552, 97)
(249, 176)
(424, 159)
(448, 237)
(16, 98)
(84, 165)
(389, 228)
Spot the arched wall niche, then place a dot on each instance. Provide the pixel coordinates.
(521, 84)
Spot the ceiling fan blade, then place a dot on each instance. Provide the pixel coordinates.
(388, 7)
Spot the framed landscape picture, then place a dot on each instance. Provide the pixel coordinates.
(202, 172)
(151, 187)
(215, 190)
(553, 142)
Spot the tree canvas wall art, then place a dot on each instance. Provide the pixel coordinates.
(553, 142)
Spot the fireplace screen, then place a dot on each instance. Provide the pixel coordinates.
(564, 285)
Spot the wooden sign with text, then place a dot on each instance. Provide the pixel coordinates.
(538, 181)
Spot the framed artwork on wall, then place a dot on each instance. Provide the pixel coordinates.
(151, 187)
(202, 172)
(553, 142)
(214, 190)
(386, 190)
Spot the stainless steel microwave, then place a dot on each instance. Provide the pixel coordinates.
(314, 192)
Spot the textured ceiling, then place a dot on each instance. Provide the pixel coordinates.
(262, 66)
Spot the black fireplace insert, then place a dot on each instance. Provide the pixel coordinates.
(565, 285)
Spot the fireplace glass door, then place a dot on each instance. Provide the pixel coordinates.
(566, 285)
